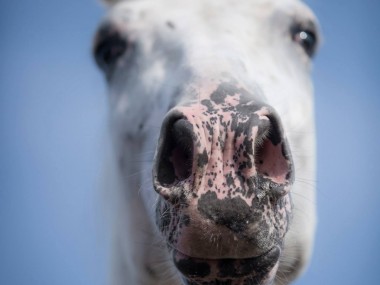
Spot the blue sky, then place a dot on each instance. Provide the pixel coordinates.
(52, 117)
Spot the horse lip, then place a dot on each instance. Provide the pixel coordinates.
(226, 268)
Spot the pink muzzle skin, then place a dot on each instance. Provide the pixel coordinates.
(223, 170)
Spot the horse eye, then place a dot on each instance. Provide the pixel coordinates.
(109, 48)
(307, 39)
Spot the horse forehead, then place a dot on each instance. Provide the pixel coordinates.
(205, 8)
(174, 3)
(207, 18)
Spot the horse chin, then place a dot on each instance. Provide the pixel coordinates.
(256, 270)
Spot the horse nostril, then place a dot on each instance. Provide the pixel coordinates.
(272, 156)
(176, 158)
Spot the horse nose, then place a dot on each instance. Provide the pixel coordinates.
(251, 153)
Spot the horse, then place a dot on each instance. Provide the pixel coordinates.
(211, 164)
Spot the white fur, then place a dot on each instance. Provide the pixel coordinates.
(247, 37)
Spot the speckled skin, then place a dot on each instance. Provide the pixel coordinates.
(215, 98)
(237, 189)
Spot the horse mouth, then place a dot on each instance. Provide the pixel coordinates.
(255, 270)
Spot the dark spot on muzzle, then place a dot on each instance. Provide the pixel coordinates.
(233, 213)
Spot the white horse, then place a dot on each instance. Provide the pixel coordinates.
(214, 97)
